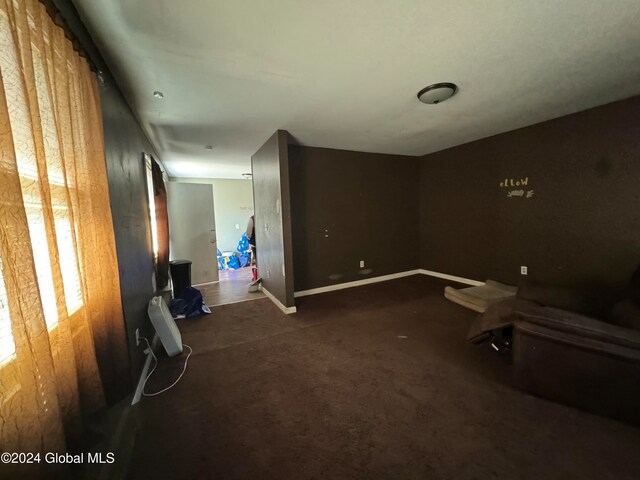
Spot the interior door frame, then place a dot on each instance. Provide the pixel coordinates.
(180, 208)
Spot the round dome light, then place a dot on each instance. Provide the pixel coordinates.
(437, 93)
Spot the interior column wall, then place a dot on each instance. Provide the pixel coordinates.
(270, 172)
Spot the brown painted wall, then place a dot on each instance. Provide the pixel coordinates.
(351, 206)
(124, 144)
(581, 227)
(270, 168)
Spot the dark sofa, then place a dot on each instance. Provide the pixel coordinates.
(578, 348)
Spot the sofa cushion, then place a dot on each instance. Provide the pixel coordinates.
(574, 300)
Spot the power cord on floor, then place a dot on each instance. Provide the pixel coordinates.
(184, 369)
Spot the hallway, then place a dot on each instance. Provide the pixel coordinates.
(231, 288)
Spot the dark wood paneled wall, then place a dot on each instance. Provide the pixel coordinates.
(351, 206)
(124, 145)
(580, 227)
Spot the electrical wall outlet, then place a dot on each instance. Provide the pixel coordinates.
(361, 263)
(237, 226)
(523, 270)
(137, 336)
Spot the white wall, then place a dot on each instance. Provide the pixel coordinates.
(233, 203)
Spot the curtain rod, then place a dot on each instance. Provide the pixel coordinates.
(64, 15)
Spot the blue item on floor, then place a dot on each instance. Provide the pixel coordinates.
(244, 259)
(228, 261)
(189, 304)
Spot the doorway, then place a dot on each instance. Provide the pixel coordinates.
(234, 206)
(231, 206)
(192, 230)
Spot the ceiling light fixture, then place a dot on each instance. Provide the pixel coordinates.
(158, 94)
(437, 93)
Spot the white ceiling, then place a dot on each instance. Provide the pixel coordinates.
(345, 73)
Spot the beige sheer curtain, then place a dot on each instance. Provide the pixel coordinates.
(62, 335)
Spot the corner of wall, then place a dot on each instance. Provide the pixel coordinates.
(272, 209)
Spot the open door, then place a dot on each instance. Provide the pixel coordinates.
(192, 229)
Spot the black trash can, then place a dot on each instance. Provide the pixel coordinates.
(180, 275)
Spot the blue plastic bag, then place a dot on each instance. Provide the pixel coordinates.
(244, 259)
(232, 262)
(228, 261)
(244, 251)
(243, 244)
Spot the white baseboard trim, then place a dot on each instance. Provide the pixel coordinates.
(453, 278)
(145, 371)
(384, 278)
(205, 283)
(355, 283)
(277, 302)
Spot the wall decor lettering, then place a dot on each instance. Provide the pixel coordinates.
(517, 192)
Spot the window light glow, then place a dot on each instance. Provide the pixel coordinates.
(42, 260)
(7, 345)
(68, 263)
(152, 205)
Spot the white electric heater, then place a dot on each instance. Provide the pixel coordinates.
(165, 325)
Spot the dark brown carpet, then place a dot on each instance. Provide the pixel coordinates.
(333, 392)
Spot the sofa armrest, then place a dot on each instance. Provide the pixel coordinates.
(498, 316)
(555, 319)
